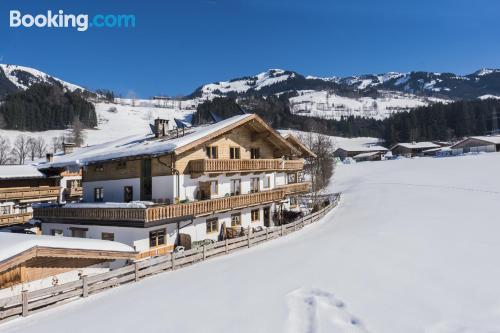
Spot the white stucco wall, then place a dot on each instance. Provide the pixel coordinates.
(113, 189)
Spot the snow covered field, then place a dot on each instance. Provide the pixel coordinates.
(412, 247)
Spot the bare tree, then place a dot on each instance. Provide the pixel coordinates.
(132, 96)
(4, 150)
(31, 146)
(57, 143)
(77, 135)
(20, 149)
(40, 147)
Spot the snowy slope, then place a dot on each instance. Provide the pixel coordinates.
(412, 248)
(23, 77)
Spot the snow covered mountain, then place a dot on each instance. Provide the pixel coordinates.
(13, 78)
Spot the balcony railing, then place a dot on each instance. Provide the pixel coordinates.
(12, 219)
(215, 165)
(73, 192)
(20, 193)
(163, 212)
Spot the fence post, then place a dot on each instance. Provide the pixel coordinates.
(267, 234)
(227, 246)
(281, 229)
(172, 257)
(204, 251)
(248, 236)
(24, 297)
(136, 271)
(85, 286)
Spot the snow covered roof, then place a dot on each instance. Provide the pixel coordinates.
(417, 145)
(363, 155)
(14, 244)
(495, 139)
(355, 148)
(19, 171)
(142, 145)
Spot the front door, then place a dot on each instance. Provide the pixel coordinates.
(267, 216)
(146, 180)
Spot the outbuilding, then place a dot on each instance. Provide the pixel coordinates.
(476, 144)
(413, 148)
(344, 152)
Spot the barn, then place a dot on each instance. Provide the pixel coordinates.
(345, 152)
(476, 144)
(412, 149)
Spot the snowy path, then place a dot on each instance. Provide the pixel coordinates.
(413, 247)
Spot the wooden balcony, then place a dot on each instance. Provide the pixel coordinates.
(219, 166)
(13, 219)
(73, 192)
(165, 212)
(29, 193)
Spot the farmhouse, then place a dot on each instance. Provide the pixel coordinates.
(170, 188)
(30, 262)
(413, 149)
(373, 152)
(21, 186)
(477, 144)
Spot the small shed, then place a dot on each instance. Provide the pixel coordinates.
(344, 152)
(476, 144)
(411, 149)
(30, 262)
(370, 156)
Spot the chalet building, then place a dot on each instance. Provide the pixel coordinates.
(476, 144)
(181, 187)
(22, 186)
(30, 262)
(361, 152)
(413, 149)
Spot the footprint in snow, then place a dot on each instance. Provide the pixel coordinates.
(316, 310)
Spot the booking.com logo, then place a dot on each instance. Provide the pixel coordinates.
(61, 20)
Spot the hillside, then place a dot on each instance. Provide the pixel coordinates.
(415, 259)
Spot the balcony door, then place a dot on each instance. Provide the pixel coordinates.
(235, 186)
(146, 180)
(267, 216)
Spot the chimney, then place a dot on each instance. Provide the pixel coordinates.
(161, 127)
(49, 157)
(68, 148)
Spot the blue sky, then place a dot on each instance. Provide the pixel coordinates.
(178, 45)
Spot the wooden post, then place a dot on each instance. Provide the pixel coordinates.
(24, 297)
(281, 229)
(267, 234)
(248, 236)
(204, 251)
(172, 256)
(136, 271)
(85, 286)
(227, 246)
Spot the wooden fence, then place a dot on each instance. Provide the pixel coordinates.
(30, 302)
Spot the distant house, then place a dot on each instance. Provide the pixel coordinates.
(413, 149)
(345, 152)
(369, 156)
(30, 262)
(477, 144)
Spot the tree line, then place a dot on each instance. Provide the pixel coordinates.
(434, 122)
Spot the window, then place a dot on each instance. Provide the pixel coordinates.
(235, 186)
(56, 232)
(109, 236)
(128, 193)
(99, 168)
(292, 178)
(121, 165)
(157, 238)
(293, 202)
(22, 209)
(98, 194)
(212, 225)
(234, 153)
(254, 185)
(235, 220)
(255, 214)
(254, 153)
(5, 210)
(79, 232)
(267, 181)
(212, 152)
(214, 187)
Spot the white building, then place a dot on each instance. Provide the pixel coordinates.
(165, 189)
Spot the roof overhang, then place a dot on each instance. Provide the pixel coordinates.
(306, 152)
